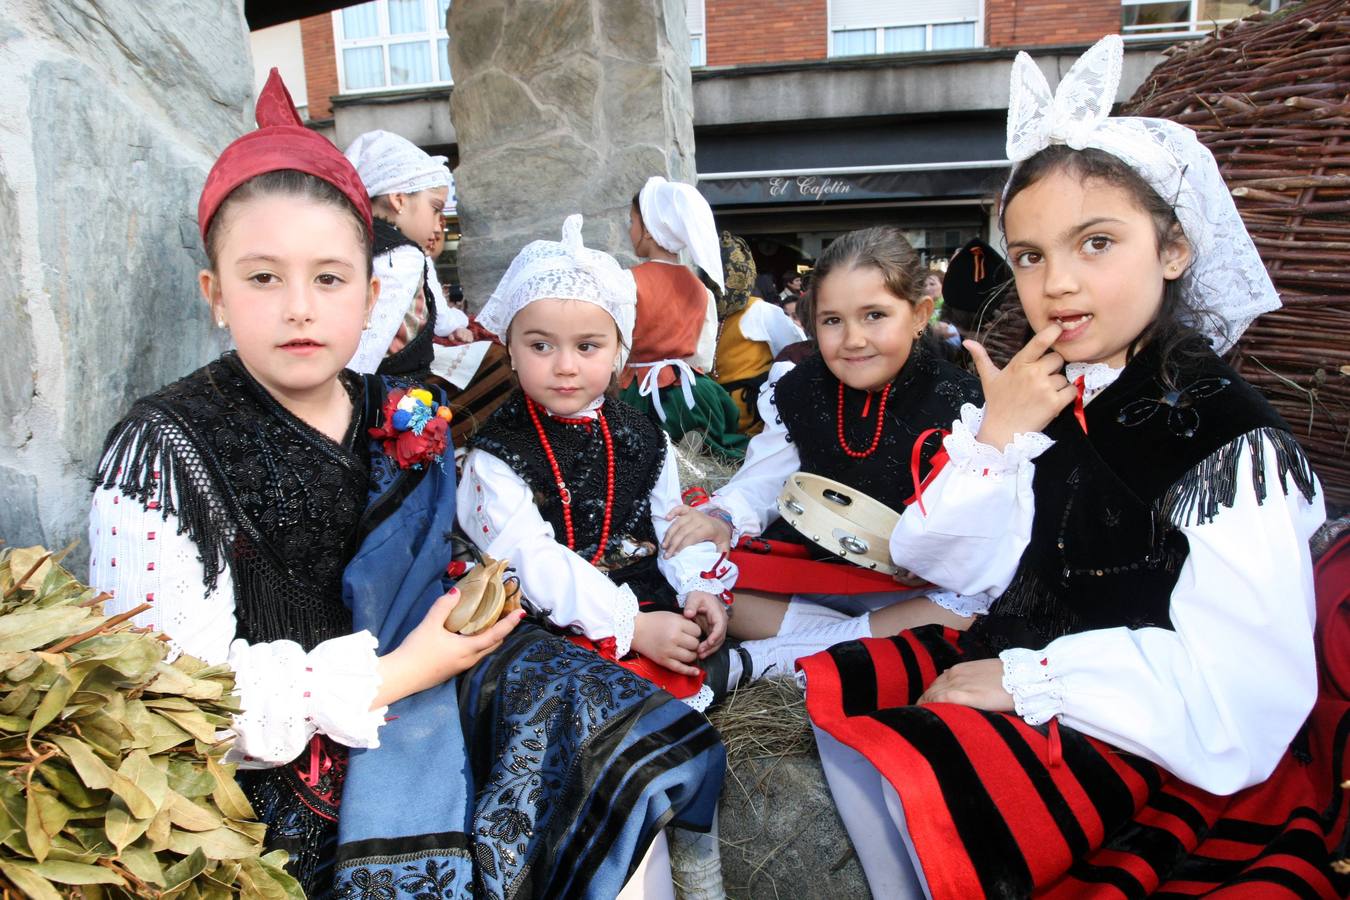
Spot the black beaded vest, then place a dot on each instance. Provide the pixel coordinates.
(927, 393)
(1105, 549)
(639, 453)
(413, 360)
(257, 490)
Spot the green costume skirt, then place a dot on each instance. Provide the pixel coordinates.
(714, 416)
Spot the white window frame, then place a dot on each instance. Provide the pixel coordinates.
(701, 58)
(880, 29)
(927, 36)
(1193, 26)
(431, 12)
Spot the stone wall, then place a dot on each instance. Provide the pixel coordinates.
(113, 111)
(562, 106)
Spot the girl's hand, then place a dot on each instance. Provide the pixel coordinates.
(667, 638)
(461, 336)
(909, 579)
(430, 655)
(692, 527)
(1027, 394)
(978, 684)
(710, 613)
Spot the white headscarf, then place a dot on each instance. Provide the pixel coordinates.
(677, 217)
(1226, 285)
(390, 164)
(566, 270)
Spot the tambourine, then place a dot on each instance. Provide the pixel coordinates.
(840, 519)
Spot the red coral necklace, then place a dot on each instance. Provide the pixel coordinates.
(881, 421)
(563, 493)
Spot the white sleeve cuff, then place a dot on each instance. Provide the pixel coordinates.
(1037, 693)
(287, 695)
(698, 583)
(625, 620)
(968, 605)
(969, 454)
(343, 682)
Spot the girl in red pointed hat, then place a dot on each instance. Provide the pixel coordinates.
(278, 513)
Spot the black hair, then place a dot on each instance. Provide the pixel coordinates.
(286, 183)
(1175, 338)
(884, 248)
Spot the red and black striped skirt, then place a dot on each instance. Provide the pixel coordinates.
(998, 808)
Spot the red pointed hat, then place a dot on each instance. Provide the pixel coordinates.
(281, 142)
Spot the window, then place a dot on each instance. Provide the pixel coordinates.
(862, 27)
(1148, 18)
(694, 19)
(392, 43)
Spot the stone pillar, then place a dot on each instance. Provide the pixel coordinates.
(112, 114)
(563, 106)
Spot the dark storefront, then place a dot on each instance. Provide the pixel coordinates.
(791, 190)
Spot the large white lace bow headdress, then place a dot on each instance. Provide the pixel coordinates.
(1226, 285)
(678, 218)
(562, 270)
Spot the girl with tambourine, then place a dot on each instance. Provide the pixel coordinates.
(852, 411)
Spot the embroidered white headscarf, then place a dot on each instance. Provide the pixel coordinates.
(561, 270)
(390, 164)
(678, 217)
(1226, 285)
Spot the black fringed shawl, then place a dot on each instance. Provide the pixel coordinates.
(1105, 549)
(258, 491)
(639, 453)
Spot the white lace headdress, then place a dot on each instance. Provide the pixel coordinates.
(1226, 285)
(566, 270)
(678, 217)
(390, 164)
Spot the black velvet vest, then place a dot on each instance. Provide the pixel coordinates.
(1105, 550)
(639, 453)
(927, 393)
(256, 489)
(414, 359)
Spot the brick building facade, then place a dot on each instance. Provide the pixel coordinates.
(811, 117)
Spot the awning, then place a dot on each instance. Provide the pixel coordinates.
(975, 180)
(930, 159)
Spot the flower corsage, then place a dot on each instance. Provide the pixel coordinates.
(413, 427)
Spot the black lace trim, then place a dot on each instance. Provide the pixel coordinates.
(1213, 483)
(639, 453)
(255, 489)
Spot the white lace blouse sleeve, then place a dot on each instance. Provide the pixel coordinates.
(705, 352)
(698, 567)
(448, 318)
(975, 521)
(1217, 699)
(139, 556)
(751, 496)
(400, 272)
(496, 510)
(767, 322)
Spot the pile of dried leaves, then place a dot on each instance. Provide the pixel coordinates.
(111, 779)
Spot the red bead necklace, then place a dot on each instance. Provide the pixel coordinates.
(563, 493)
(881, 421)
